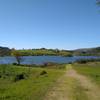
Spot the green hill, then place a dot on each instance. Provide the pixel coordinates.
(4, 51)
(87, 52)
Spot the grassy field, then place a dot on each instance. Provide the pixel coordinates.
(41, 52)
(33, 85)
(91, 69)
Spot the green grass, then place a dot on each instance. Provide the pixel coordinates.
(36, 86)
(41, 52)
(91, 70)
(33, 87)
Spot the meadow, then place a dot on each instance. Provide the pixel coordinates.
(51, 81)
(26, 83)
(43, 51)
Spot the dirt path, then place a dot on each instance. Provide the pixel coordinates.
(65, 87)
(91, 89)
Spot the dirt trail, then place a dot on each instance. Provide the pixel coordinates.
(63, 88)
(59, 91)
(91, 89)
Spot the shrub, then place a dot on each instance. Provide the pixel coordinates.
(97, 76)
(43, 72)
(82, 61)
(19, 77)
(70, 62)
(15, 64)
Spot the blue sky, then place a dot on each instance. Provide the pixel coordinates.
(63, 24)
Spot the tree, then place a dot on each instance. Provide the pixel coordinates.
(17, 55)
(98, 2)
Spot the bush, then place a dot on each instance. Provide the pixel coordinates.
(19, 77)
(82, 61)
(43, 72)
(70, 63)
(15, 64)
(49, 64)
(97, 75)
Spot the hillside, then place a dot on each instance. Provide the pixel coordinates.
(87, 52)
(44, 52)
(4, 51)
(57, 52)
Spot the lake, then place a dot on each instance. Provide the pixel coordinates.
(43, 59)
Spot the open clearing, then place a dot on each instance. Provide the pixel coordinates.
(33, 87)
(75, 82)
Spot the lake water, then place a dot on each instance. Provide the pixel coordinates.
(43, 59)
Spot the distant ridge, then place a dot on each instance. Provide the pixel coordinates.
(5, 51)
(88, 51)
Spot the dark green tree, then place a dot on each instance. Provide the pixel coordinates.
(98, 2)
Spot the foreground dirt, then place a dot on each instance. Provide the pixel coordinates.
(63, 89)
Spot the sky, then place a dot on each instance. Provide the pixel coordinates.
(62, 24)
